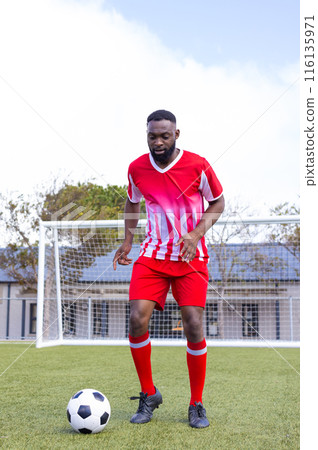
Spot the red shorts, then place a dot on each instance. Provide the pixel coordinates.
(151, 279)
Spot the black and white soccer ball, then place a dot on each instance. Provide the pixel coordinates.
(88, 411)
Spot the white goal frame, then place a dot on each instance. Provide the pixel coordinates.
(119, 224)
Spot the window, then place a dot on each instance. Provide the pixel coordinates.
(100, 318)
(212, 327)
(250, 320)
(32, 318)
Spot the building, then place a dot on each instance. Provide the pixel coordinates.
(253, 294)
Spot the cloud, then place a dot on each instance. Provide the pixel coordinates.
(94, 77)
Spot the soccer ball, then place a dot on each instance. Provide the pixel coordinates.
(88, 411)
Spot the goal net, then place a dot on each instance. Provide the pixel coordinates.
(253, 289)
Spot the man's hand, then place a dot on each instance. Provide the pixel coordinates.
(190, 243)
(190, 240)
(121, 255)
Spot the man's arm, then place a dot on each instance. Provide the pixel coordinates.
(131, 216)
(209, 217)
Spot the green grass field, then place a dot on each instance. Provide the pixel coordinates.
(251, 397)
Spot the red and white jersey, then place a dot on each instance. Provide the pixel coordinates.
(174, 201)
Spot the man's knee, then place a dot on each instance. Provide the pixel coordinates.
(193, 324)
(140, 314)
(137, 323)
(194, 331)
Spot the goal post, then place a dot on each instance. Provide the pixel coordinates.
(253, 290)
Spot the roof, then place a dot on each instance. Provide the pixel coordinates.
(254, 262)
(237, 262)
(26, 272)
(244, 262)
(5, 278)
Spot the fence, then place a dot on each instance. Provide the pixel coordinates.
(253, 291)
(252, 321)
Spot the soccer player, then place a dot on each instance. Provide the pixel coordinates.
(174, 183)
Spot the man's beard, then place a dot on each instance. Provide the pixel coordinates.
(164, 157)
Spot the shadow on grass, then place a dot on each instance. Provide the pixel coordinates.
(71, 432)
(66, 430)
(122, 417)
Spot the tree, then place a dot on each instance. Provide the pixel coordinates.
(85, 201)
(60, 201)
(19, 258)
(287, 235)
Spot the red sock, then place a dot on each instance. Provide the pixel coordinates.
(196, 360)
(140, 348)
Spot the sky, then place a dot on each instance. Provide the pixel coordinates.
(78, 79)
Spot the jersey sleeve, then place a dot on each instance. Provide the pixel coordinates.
(133, 192)
(210, 186)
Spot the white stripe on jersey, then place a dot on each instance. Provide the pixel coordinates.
(165, 232)
(205, 187)
(184, 222)
(136, 194)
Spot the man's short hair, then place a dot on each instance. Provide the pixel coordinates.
(162, 114)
